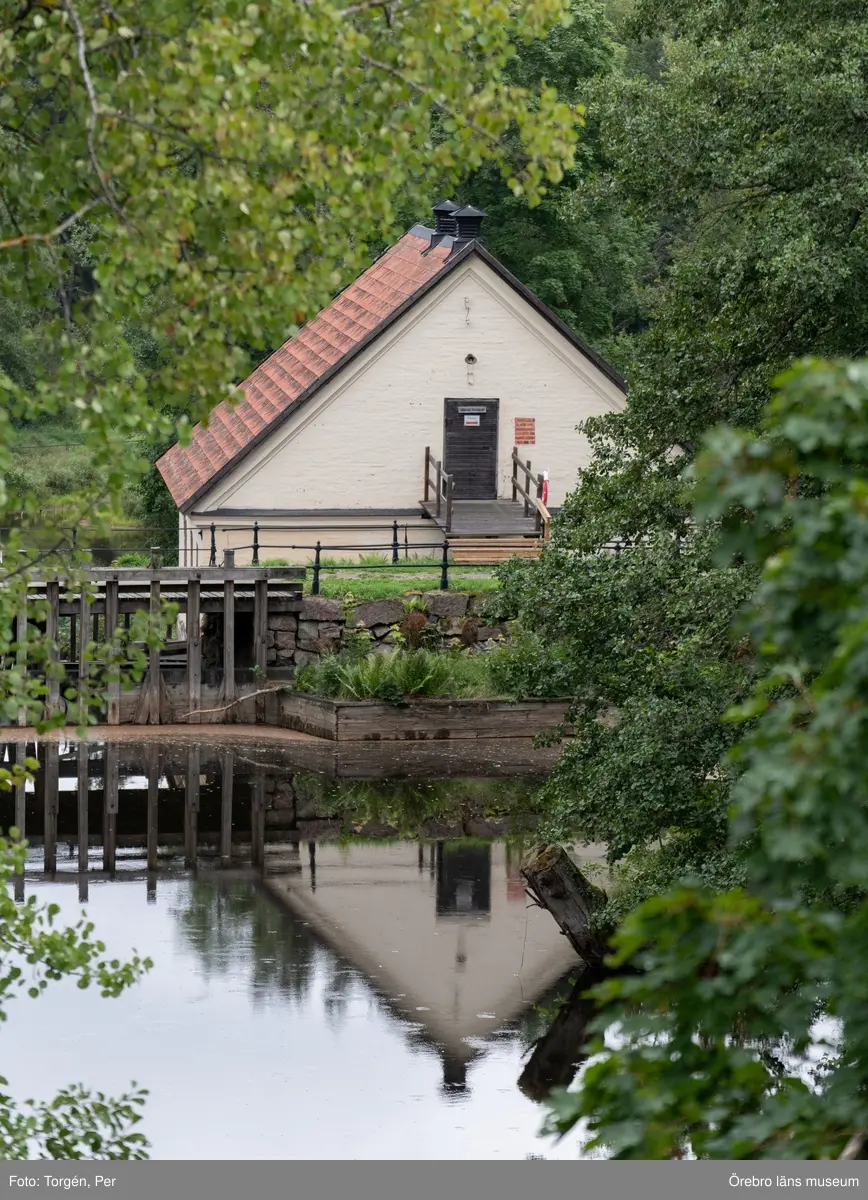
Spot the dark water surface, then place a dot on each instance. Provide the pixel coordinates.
(313, 996)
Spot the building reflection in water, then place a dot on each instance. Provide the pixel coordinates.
(440, 928)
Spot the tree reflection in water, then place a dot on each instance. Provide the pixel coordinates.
(234, 929)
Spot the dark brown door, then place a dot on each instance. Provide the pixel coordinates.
(470, 448)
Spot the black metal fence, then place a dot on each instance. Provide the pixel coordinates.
(393, 548)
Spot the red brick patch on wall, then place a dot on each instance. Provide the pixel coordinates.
(525, 431)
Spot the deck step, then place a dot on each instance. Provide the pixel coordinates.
(493, 550)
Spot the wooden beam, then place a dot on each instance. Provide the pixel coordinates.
(260, 640)
(153, 680)
(257, 822)
(180, 575)
(20, 792)
(52, 632)
(113, 690)
(228, 769)
(51, 771)
(111, 791)
(83, 664)
(21, 656)
(229, 693)
(194, 648)
(83, 796)
(153, 763)
(191, 807)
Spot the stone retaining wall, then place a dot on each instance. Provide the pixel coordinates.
(440, 620)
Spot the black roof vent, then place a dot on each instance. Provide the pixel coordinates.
(444, 214)
(469, 221)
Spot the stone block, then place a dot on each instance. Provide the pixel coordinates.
(446, 604)
(452, 627)
(486, 632)
(303, 658)
(318, 608)
(380, 631)
(269, 639)
(284, 640)
(318, 635)
(285, 622)
(271, 657)
(380, 612)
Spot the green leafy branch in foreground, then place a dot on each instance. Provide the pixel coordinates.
(35, 951)
(745, 1035)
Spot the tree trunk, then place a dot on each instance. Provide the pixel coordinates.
(557, 884)
(560, 1051)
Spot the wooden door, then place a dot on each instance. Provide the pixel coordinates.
(470, 448)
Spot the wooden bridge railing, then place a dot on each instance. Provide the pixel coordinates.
(531, 493)
(102, 603)
(443, 485)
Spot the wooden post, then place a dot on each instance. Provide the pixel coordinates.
(20, 818)
(514, 473)
(439, 484)
(260, 639)
(152, 759)
(227, 760)
(450, 488)
(556, 883)
(113, 690)
(427, 461)
(51, 770)
(111, 790)
(257, 822)
(52, 632)
(527, 478)
(83, 794)
(83, 665)
(228, 688)
(153, 680)
(191, 807)
(539, 496)
(194, 650)
(21, 657)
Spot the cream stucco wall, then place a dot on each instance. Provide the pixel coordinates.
(359, 443)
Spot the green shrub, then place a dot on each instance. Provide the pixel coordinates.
(395, 676)
(132, 558)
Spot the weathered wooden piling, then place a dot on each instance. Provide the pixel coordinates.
(191, 807)
(228, 768)
(111, 791)
(97, 609)
(153, 764)
(83, 798)
(50, 771)
(257, 822)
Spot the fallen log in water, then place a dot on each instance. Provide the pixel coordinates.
(557, 884)
(560, 1051)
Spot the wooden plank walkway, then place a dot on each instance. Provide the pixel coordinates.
(483, 518)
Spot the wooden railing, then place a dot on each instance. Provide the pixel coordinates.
(444, 487)
(531, 493)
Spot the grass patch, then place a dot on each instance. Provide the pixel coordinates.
(377, 585)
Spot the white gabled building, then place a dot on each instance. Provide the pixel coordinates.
(436, 345)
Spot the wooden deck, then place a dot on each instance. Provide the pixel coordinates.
(483, 518)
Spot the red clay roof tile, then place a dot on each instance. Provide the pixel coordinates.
(276, 385)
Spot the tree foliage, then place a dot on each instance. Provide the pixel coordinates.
(744, 1036)
(184, 184)
(34, 952)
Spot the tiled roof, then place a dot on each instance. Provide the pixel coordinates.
(288, 374)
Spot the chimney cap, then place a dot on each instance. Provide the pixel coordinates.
(469, 211)
(445, 206)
